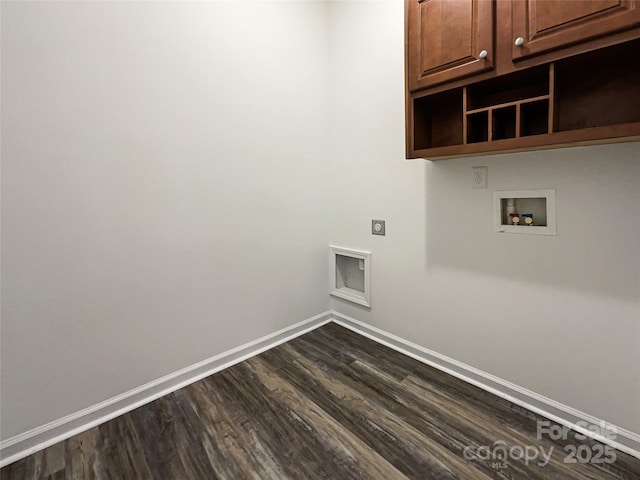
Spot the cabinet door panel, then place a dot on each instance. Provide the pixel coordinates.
(445, 38)
(547, 25)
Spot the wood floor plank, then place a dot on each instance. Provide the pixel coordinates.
(274, 425)
(509, 416)
(329, 442)
(330, 404)
(337, 340)
(118, 454)
(75, 457)
(351, 408)
(430, 438)
(233, 445)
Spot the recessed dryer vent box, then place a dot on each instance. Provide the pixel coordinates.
(525, 211)
(349, 275)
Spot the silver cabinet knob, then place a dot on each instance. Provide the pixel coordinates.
(483, 54)
(519, 42)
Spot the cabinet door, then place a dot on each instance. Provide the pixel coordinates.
(448, 39)
(541, 26)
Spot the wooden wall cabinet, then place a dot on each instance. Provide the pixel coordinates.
(540, 26)
(449, 40)
(552, 73)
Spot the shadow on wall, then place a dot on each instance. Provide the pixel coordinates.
(597, 199)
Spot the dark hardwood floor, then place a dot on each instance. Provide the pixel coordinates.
(328, 405)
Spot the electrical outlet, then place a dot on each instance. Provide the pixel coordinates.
(479, 177)
(377, 227)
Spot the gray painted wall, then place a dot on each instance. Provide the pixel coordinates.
(163, 179)
(558, 315)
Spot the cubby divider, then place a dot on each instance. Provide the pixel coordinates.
(522, 110)
(559, 103)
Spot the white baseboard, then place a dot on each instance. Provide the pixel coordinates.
(625, 441)
(29, 442)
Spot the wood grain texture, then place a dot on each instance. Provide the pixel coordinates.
(442, 45)
(548, 25)
(445, 38)
(330, 404)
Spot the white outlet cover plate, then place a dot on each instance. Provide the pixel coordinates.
(378, 227)
(479, 179)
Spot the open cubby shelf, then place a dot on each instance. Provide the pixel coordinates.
(561, 102)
